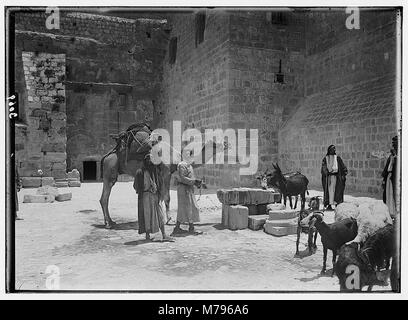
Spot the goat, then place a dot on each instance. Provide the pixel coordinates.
(374, 255)
(314, 204)
(289, 184)
(333, 235)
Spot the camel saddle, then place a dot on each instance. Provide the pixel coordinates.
(137, 139)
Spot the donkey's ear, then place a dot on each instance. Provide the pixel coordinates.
(273, 165)
(277, 167)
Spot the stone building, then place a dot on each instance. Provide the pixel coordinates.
(300, 77)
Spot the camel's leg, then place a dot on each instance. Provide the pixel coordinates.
(110, 176)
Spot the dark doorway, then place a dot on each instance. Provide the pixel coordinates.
(89, 170)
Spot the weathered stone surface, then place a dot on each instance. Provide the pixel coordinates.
(64, 196)
(272, 229)
(74, 174)
(44, 190)
(256, 222)
(237, 217)
(275, 206)
(31, 182)
(38, 198)
(74, 183)
(246, 196)
(61, 184)
(282, 214)
(47, 181)
(284, 222)
(224, 215)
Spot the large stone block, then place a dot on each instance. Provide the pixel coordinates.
(282, 214)
(74, 183)
(64, 196)
(55, 156)
(47, 181)
(274, 230)
(31, 182)
(74, 174)
(275, 206)
(284, 222)
(38, 198)
(48, 190)
(224, 215)
(247, 196)
(237, 217)
(257, 222)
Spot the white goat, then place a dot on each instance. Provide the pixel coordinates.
(371, 216)
(345, 210)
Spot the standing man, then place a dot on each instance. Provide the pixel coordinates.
(187, 209)
(150, 214)
(389, 175)
(333, 178)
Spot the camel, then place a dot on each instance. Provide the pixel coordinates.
(127, 157)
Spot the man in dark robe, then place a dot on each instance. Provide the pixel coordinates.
(389, 175)
(333, 178)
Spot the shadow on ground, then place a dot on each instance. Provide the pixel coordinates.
(120, 226)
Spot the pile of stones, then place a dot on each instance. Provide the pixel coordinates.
(47, 194)
(256, 209)
(245, 207)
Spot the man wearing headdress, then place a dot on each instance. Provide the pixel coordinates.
(333, 178)
(389, 175)
(149, 185)
(187, 209)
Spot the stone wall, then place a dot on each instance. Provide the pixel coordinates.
(45, 115)
(113, 73)
(350, 99)
(195, 88)
(258, 46)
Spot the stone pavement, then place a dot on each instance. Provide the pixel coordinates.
(71, 236)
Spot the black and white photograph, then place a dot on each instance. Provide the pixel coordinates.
(203, 149)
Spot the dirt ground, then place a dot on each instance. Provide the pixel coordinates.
(71, 236)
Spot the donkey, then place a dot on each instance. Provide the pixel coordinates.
(290, 184)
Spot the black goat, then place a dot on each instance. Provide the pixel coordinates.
(333, 235)
(289, 184)
(375, 254)
(314, 204)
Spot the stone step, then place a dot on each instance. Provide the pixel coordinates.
(283, 222)
(279, 231)
(282, 214)
(275, 206)
(64, 197)
(38, 198)
(74, 183)
(61, 184)
(257, 222)
(247, 196)
(235, 217)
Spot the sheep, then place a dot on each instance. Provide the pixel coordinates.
(333, 236)
(374, 255)
(371, 218)
(314, 204)
(345, 210)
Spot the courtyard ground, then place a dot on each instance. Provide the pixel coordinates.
(71, 236)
